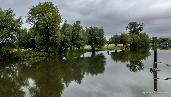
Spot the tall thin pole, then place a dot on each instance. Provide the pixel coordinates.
(155, 69)
(155, 63)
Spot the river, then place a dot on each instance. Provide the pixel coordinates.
(103, 74)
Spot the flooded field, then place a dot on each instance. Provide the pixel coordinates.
(103, 74)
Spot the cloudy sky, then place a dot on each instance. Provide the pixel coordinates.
(113, 15)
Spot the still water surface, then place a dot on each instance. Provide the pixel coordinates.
(113, 74)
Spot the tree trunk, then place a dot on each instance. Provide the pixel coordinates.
(116, 45)
(93, 49)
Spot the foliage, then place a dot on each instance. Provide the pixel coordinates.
(25, 39)
(77, 35)
(46, 34)
(45, 20)
(66, 31)
(95, 37)
(139, 38)
(135, 41)
(135, 37)
(9, 26)
(115, 39)
(125, 39)
(162, 40)
(144, 39)
(134, 27)
(6, 54)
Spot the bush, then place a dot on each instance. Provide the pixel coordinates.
(7, 54)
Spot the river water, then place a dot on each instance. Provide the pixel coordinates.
(103, 74)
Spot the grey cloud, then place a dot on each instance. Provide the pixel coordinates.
(113, 15)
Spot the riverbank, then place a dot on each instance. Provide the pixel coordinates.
(29, 54)
(105, 47)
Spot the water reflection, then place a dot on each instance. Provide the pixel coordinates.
(62, 77)
(133, 58)
(46, 78)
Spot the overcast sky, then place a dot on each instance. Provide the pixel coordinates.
(113, 15)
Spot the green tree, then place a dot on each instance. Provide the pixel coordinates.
(125, 39)
(136, 41)
(134, 27)
(9, 26)
(161, 40)
(139, 38)
(115, 39)
(145, 40)
(95, 37)
(45, 20)
(78, 39)
(66, 31)
(25, 39)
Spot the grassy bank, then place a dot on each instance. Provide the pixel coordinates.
(105, 47)
(8, 54)
(28, 54)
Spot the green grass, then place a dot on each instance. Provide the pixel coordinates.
(105, 47)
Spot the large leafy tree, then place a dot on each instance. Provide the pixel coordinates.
(95, 36)
(9, 26)
(78, 38)
(134, 27)
(139, 38)
(45, 20)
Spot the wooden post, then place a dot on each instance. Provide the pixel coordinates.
(155, 69)
(155, 63)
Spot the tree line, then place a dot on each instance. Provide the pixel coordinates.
(135, 38)
(46, 33)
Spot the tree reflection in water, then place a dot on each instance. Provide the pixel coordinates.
(46, 78)
(133, 58)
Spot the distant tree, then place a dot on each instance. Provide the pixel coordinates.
(9, 26)
(95, 37)
(45, 20)
(161, 40)
(66, 31)
(136, 41)
(138, 38)
(77, 35)
(134, 27)
(144, 39)
(115, 39)
(125, 39)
